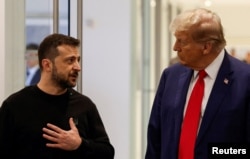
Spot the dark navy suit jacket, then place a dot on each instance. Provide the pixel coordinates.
(36, 78)
(226, 118)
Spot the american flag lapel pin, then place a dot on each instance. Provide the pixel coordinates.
(226, 81)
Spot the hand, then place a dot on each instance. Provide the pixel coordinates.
(62, 139)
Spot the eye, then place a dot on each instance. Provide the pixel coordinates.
(182, 42)
(71, 60)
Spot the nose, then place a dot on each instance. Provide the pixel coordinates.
(176, 47)
(77, 66)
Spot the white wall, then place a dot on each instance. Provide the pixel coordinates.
(2, 48)
(235, 22)
(11, 46)
(106, 67)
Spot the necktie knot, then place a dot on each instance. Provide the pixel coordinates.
(202, 74)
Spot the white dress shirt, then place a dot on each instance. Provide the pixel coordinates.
(212, 71)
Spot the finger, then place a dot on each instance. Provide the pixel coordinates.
(71, 123)
(50, 138)
(53, 145)
(50, 132)
(54, 128)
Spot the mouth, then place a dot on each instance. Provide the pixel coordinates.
(75, 75)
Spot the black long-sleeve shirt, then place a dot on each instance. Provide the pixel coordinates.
(26, 112)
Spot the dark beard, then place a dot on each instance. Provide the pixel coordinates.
(60, 80)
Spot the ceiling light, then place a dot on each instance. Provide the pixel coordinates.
(208, 3)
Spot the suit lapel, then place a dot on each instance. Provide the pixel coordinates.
(182, 87)
(180, 99)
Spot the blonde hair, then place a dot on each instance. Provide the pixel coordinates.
(202, 24)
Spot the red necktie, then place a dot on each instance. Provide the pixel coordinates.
(192, 119)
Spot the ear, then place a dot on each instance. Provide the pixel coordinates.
(207, 48)
(47, 65)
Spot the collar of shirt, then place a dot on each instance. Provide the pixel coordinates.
(212, 71)
(213, 68)
(33, 70)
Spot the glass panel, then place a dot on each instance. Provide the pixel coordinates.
(39, 24)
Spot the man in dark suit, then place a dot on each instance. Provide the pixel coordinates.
(224, 116)
(32, 65)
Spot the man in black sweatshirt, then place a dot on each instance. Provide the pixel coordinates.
(51, 120)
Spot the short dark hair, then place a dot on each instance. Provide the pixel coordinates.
(32, 46)
(48, 47)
